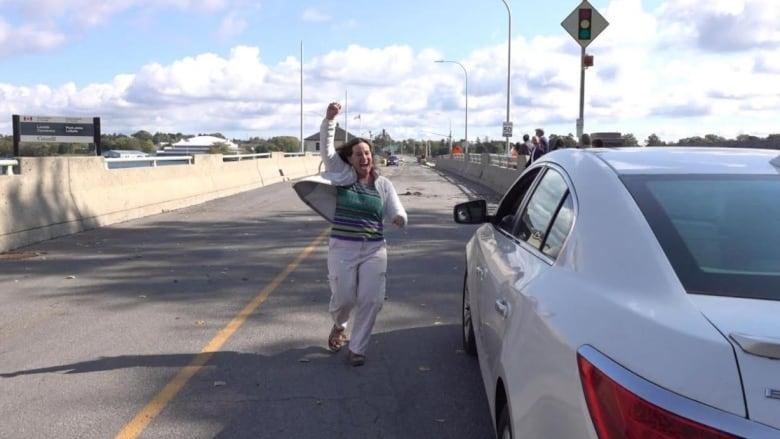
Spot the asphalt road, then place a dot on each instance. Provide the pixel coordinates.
(211, 322)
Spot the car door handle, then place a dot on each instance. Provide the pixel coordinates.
(502, 307)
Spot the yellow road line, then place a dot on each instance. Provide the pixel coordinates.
(139, 423)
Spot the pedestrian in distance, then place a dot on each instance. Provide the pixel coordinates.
(535, 152)
(527, 144)
(356, 200)
(516, 151)
(543, 143)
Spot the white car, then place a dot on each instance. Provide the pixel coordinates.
(630, 293)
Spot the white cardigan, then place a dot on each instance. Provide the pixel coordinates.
(319, 192)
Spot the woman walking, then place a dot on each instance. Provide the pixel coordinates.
(356, 200)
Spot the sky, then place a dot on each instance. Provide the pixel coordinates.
(676, 69)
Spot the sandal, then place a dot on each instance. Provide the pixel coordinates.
(336, 339)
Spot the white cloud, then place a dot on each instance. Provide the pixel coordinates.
(231, 26)
(653, 73)
(314, 15)
(727, 25)
(27, 39)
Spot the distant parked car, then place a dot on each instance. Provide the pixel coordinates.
(393, 160)
(630, 292)
(123, 154)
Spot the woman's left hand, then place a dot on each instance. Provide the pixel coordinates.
(399, 221)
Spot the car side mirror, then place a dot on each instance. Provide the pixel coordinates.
(470, 212)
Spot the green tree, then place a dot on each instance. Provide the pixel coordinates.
(746, 138)
(629, 140)
(220, 148)
(143, 135)
(285, 144)
(6, 146)
(692, 141)
(713, 139)
(653, 140)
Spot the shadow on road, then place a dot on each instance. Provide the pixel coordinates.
(415, 380)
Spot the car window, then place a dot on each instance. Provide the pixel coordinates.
(560, 228)
(542, 206)
(720, 233)
(510, 203)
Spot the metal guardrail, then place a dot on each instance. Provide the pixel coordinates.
(239, 157)
(500, 160)
(301, 154)
(7, 166)
(152, 161)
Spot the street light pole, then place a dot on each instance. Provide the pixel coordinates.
(303, 142)
(449, 138)
(508, 67)
(466, 124)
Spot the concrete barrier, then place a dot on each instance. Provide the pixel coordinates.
(55, 196)
(481, 171)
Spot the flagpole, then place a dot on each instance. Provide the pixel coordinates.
(346, 109)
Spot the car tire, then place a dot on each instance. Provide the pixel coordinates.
(504, 427)
(469, 343)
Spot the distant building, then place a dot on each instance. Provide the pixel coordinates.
(312, 143)
(196, 145)
(610, 139)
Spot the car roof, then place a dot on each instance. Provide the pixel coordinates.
(690, 160)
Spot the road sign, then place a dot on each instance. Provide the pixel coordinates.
(56, 129)
(584, 23)
(507, 129)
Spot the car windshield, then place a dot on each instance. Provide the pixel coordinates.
(721, 233)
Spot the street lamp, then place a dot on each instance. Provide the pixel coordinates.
(508, 67)
(466, 124)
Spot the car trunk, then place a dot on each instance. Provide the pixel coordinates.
(753, 329)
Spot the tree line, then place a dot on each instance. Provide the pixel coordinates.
(149, 143)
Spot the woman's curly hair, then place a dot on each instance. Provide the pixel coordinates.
(345, 150)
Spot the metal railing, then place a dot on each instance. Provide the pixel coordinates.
(152, 161)
(239, 157)
(301, 154)
(500, 160)
(7, 166)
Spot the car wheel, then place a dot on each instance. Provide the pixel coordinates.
(469, 344)
(504, 427)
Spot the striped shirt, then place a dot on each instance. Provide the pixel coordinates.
(358, 213)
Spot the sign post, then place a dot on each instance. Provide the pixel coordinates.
(584, 24)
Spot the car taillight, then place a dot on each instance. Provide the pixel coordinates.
(618, 413)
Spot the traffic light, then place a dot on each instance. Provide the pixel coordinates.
(583, 31)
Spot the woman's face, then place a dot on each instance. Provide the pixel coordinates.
(361, 159)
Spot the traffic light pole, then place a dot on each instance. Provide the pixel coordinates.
(581, 120)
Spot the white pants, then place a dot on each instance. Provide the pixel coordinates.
(357, 272)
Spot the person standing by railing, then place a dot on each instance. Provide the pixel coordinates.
(356, 200)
